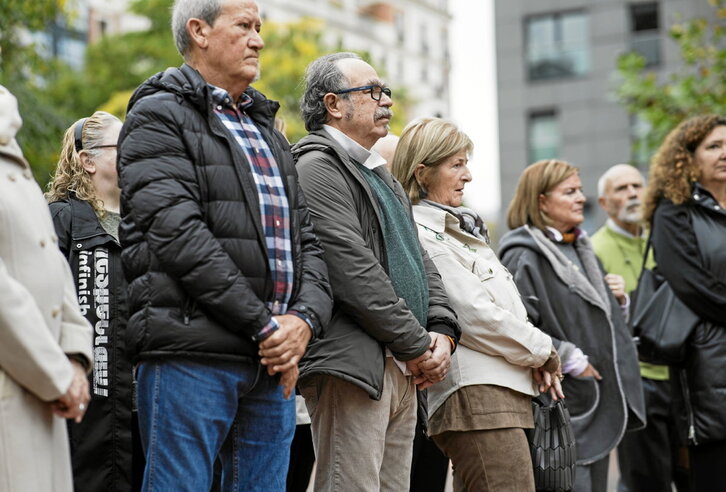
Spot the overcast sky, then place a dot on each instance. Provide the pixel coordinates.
(473, 98)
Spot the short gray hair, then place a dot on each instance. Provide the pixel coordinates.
(321, 77)
(608, 175)
(182, 11)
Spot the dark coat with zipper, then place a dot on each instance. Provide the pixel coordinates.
(689, 242)
(576, 307)
(368, 316)
(193, 246)
(101, 445)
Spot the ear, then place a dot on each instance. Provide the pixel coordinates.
(419, 173)
(88, 165)
(542, 200)
(602, 202)
(198, 30)
(333, 104)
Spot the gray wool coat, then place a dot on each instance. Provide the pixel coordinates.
(578, 310)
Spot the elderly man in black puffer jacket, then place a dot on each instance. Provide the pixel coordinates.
(226, 278)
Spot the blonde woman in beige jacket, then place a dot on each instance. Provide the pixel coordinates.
(45, 343)
(478, 414)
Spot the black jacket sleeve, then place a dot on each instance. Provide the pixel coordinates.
(62, 219)
(678, 258)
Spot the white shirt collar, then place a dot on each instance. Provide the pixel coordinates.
(369, 158)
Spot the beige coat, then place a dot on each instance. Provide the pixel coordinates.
(498, 345)
(40, 323)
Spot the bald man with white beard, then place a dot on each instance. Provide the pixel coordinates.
(647, 458)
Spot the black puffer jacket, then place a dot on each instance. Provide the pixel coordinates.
(193, 246)
(689, 242)
(101, 445)
(368, 315)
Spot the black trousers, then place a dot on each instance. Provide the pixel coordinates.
(708, 466)
(302, 459)
(648, 458)
(429, 465)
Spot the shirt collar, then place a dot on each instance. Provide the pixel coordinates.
(619, 230)
(221, 97)
(369, 158)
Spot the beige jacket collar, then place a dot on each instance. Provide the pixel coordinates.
(434, 218)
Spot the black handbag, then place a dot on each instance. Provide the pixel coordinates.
(552, 445)
(660, 322)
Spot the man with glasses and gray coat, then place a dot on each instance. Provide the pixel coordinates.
(392, 329)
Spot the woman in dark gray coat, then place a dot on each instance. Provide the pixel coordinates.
(568, 296)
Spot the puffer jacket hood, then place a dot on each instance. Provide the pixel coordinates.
(517, 238)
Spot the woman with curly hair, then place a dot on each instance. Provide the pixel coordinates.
(84, 201)
(685, 205)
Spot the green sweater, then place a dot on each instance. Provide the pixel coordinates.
(623, 255)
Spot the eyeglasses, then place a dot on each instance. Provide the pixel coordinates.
(376, 91)
(103, 147)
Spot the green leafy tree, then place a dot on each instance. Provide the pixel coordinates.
(53, 95)
(24, 71)
(697, 87)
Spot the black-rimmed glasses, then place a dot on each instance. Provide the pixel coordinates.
(376, 91)
(103, 147)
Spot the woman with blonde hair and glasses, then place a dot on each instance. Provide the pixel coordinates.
(84, 202)
(568, 296)
(478, 414)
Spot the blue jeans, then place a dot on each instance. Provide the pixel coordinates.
(192, 412)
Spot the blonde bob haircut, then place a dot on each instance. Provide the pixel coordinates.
(538, 179)
(427, 141)
(69, 176)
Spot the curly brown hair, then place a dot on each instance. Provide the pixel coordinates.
(672, 169)
(69, 176)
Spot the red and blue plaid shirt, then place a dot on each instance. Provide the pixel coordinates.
(274, 207)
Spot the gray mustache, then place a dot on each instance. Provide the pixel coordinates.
(383, 113)
(632, 203)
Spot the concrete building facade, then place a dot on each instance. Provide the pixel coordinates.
(556, 63)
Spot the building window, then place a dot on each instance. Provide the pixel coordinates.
(558, 45)
(543, 135)
(644, 32)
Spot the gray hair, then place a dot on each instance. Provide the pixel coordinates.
(608, 175)
(321, 77)
(182, 11)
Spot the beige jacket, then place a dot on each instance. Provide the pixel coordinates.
(40, 323)
(498, 345)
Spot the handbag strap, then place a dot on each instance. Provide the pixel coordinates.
(648, 243)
